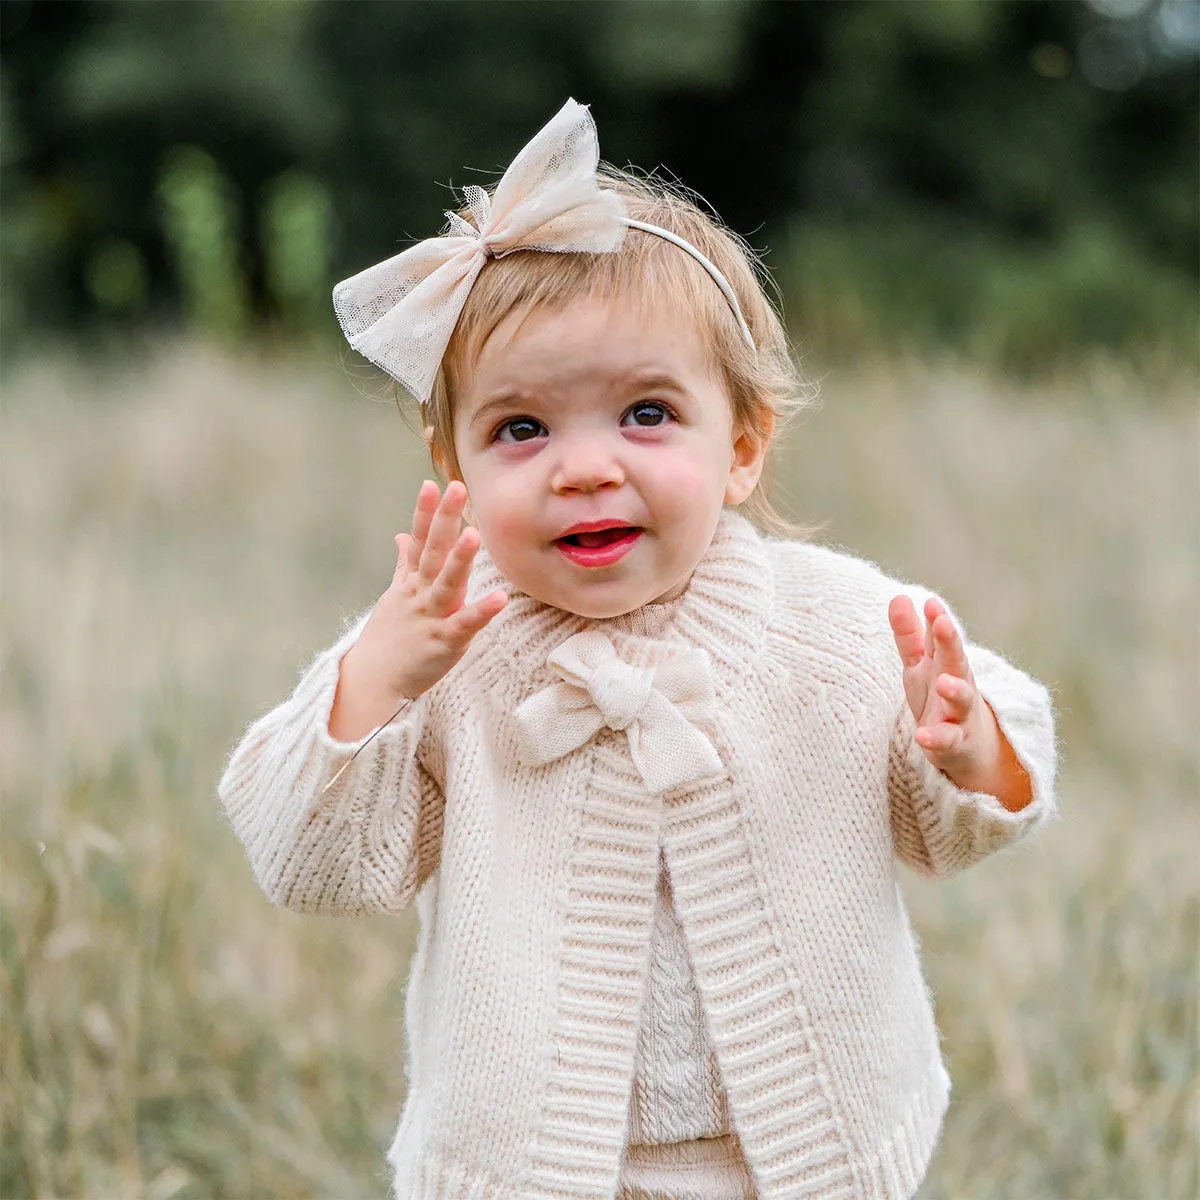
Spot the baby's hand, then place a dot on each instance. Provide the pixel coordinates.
(419, 628)
(955, 726)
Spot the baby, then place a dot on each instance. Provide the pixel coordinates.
(644, 764)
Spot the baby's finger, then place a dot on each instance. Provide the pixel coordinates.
(443, 531)
(958, 695)
(448, 587)
(949, 653)
(933, 609)
(940, 739)
(468, 621)
(403, 542)
(906, 629)
(427, 502)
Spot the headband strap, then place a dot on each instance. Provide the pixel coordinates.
(707, 264)
(401, 313)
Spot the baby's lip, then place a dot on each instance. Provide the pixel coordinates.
(596, 526)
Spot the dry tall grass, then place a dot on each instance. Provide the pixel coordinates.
(180, 537)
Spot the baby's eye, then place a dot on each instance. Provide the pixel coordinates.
(523, 429)
(649, 414)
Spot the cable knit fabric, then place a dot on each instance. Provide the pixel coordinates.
(680, 1139)
(699, 1169)
(533, 859)
(677, 1090)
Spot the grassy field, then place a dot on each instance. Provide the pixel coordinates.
(181, 536)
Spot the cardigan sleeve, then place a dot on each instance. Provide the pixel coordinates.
(939, 828)
(367, 843)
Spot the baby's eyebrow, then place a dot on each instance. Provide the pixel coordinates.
(657, 379)
(497, 402)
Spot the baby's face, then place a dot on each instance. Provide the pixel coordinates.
(598, 415)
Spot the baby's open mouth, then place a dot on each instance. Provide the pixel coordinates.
(600, 537)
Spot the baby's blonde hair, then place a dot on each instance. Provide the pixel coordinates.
(648, 272)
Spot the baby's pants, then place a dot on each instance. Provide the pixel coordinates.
(704, 1169)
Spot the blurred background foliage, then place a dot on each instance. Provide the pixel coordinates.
(1013, 181)
(196, 493)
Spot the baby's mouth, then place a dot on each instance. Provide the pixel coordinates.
(600, 537)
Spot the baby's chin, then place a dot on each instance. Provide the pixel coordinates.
(595, 607)
(595, 598)
(599, 603)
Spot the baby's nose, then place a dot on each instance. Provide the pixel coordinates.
(587, 464)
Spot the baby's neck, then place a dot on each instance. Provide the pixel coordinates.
(651, 620)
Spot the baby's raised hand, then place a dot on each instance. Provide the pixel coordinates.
(420, 626)
(955, 726)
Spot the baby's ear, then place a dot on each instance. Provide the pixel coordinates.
(750, 446)
(435, 453)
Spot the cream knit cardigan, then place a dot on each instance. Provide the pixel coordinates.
(535, 884)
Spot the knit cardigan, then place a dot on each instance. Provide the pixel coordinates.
(772, 688)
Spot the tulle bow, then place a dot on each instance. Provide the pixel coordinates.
(401, 313)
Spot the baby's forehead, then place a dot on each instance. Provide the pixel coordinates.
(592, 344)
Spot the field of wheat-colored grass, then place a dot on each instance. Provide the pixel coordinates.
(180, 536)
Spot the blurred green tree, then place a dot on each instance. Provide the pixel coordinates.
(295, 238)
(200, 220)
(1014, 178)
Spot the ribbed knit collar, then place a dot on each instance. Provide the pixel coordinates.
(724, 610)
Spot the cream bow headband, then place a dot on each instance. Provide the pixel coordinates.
(401, 313)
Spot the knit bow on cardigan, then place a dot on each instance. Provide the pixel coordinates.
(656, 706)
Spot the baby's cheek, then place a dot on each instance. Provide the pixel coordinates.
(508, 526)
(681, 481)
(684, 472)
(503, 515)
